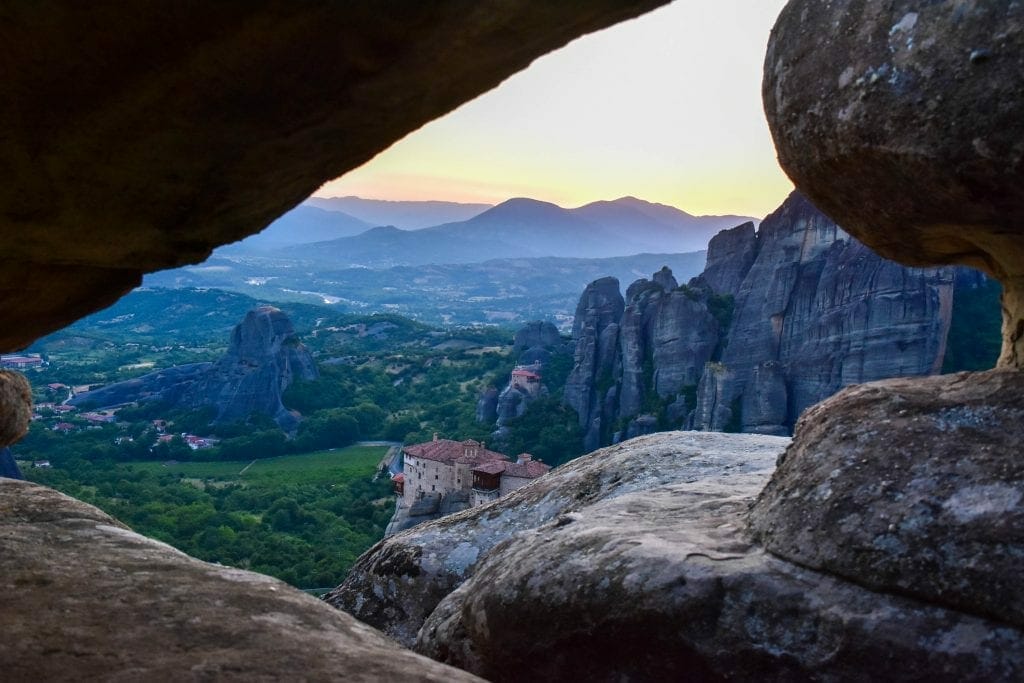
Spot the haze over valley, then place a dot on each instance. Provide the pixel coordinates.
(517, 261)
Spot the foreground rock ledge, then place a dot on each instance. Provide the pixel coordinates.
(398, 583)
(913, 486)
(641, 568)
(82, 597)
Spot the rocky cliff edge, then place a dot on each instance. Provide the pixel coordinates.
(636, 563)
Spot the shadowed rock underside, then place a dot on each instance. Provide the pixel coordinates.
(139, 137)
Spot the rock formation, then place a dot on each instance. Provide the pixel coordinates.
(534, 341)
(595, 332)
(909, 487)
(84, 598)
(818, 311)
(398, 583)
(15, 406)
(534, 346)
(641, 548)
(903, 122)
(487, 406)
(264, 357)
(780, 319)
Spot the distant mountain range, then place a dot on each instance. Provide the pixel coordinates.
(404, 215)
(522, 259)
(522, 228)
(302, 225)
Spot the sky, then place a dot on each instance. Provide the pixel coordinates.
(665, 107)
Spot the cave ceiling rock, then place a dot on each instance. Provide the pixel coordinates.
(140, 136)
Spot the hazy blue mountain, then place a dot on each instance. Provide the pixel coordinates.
(301, 225)
(526, 228)
(387, 246)
(401, 214)
(658, 227)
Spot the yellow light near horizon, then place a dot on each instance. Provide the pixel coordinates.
(665, 107)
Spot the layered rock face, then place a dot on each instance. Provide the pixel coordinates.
(634, 563)
(84, 598)
(817, 311)
(925, 97)
(806, 310)
(595, 332)
(263, 358)
(191, 127)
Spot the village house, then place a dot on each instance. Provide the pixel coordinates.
(21, 361)
(99, 417)
(198, 442)
(443, 467)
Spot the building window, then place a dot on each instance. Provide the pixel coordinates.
(433, 488)
(437, 476)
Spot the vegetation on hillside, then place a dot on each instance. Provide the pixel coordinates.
(304, 519)
(974, 334)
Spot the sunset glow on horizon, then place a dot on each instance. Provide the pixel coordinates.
(666, 107)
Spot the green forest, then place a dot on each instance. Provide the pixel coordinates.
(304, 519)
(301, 507)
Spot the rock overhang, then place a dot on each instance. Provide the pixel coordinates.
(904, 122)
(140, 137)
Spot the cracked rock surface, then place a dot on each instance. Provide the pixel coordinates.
(399, 582)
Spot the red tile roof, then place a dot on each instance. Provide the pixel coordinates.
(531, 469)
(492, 467)
(525, 373)
(448, 451)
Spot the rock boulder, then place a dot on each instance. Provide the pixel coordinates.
(636, 563)
(912, 487)
(84, 598)
(398, 583)
(864, 96)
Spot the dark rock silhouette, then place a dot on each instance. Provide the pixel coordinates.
(264, 357)
(807, 308)
(189, 164)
